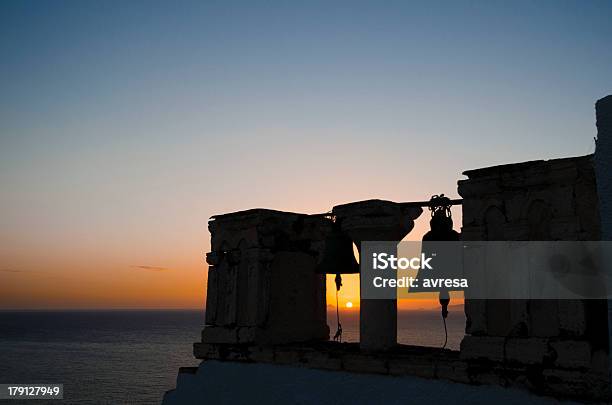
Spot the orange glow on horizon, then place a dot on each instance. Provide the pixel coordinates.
(121, 266)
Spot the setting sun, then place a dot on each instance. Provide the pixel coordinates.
(349, 304)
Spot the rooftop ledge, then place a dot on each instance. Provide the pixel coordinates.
(529, 165)
(424, 362)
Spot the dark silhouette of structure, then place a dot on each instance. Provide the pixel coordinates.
(266, 302)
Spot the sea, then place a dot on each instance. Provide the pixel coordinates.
(132, 357)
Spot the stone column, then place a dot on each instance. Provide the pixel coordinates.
(376, 220)
(603, 164)
(603, 173)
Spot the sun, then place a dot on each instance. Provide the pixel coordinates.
(349, 304)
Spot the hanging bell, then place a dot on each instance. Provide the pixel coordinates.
(441, 223)
(441, 229)
(338, 257)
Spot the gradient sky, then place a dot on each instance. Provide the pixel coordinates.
(124, 125)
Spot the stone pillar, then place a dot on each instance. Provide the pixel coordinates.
(603, 173)
(603, 164)
(262, 284)
(376, 220)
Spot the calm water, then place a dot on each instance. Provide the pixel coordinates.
(114, 357)
(121, 357)
(420, 328)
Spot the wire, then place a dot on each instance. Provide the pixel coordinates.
(338, 335)
(445, 333)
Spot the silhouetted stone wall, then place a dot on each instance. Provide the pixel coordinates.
(541, 201)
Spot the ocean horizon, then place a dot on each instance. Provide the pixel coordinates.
(133, 356)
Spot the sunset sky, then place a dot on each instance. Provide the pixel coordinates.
(124, 125)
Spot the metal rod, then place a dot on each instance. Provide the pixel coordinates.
(428, 203)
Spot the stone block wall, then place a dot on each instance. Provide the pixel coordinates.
(262, 285)
(540, 201)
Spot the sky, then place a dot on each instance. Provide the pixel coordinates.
(125, 125)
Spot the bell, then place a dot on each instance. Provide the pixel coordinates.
(338, 257)
(441, 223)
(441, 229)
